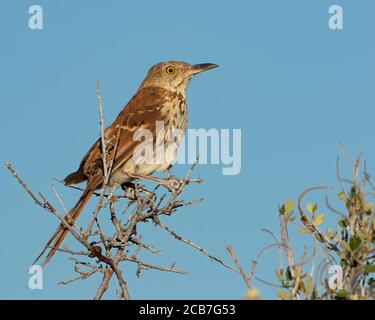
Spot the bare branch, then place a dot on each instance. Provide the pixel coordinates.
(245, 277)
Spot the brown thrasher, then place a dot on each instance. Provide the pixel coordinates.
(159, 99)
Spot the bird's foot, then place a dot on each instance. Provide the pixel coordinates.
(132, 190)
(171, 183)
(129, 190)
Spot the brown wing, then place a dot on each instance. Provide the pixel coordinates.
(142, 111)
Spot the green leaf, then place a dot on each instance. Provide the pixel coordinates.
(330, 234)
(346, 246)
(342, 223)
(288, 274)
(369, 268)
(302, 230)
(315, 207)
(309, 284)
(368, 207)
(342, 196)
(288, 206)
(342, 294)
(313, 295)
(283, 295)
(282, 210)
(310, 208)
(355, 243)
(319, 219)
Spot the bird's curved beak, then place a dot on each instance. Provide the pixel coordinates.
(198, 68)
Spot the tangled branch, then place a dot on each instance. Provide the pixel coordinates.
(104, 253)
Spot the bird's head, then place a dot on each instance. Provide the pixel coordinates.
(174, 75)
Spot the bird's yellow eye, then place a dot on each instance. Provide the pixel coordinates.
(170, 70)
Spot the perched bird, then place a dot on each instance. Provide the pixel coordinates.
(159, 99)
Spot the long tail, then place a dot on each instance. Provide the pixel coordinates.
(61, 232)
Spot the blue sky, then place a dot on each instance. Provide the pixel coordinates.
(291, 85)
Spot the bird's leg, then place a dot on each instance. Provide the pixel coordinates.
(169, 171)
